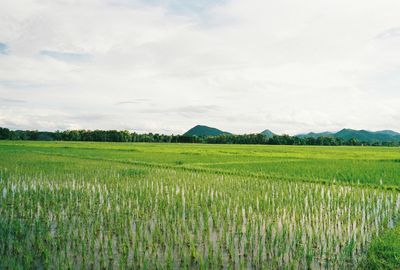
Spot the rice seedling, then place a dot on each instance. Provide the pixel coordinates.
(185, 220)
(57, 212)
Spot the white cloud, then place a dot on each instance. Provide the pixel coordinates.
(242, 66)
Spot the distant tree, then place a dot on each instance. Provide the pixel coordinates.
(4, 133)
(353, 141)
(126, 136)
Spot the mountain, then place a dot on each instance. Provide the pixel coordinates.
(360, 135)
(345, 134)
(389, 132)
(316, 135)
(268, 133)
(205, 131)
(367, 136)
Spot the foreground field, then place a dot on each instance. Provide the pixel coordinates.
(93, 205)
(355, 165)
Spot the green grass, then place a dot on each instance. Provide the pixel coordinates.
(364, 165)
(384, 252)
(168, 206)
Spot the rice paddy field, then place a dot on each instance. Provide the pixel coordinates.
(81, 205)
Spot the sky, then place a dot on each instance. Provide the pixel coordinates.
(164, 66)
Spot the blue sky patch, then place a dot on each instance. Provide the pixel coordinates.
(66, 56)
(3, 48)
(190, 6)
(180, 7)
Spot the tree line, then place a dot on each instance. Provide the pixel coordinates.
(126, 136)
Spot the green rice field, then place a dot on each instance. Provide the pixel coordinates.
(84, 205)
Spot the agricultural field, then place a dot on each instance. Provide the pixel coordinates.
(81, 205)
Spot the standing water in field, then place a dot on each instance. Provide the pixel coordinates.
(171, 220)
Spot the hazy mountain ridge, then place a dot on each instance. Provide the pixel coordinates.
(202, 130)
(346, 134)
(361, 135)
(316, 134)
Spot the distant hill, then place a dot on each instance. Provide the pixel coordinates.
(389, 132)
(367, 136)
(316, 135)
(268, 133)
(360, 135)
(200, 130)
(345, 134)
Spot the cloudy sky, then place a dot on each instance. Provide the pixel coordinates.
(166, 65)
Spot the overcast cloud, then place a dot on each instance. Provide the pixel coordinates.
(164, 66)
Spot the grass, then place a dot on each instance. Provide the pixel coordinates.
(168, 206)
(384, 252)
(364, 165)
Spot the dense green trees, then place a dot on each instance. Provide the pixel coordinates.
(4, 133)
(126, 136)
